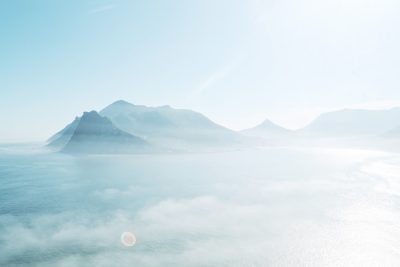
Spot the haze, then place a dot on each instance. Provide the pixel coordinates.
(216, 133)
(238, 62)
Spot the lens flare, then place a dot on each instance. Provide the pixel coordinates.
(128, 239)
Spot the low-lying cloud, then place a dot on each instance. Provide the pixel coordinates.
(331, 219)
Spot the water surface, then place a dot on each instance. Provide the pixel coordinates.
(266, 207)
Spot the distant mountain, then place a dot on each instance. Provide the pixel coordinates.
(353, 123)
(93, 133)
(167, 126)
(267, 129)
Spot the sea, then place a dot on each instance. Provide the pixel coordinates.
(281, 206)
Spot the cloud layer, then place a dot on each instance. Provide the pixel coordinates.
(325, 216)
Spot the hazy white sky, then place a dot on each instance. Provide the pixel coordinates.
(237, 62)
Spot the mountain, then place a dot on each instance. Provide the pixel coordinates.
(266, 129)
(166, 126)
(93, 133)
(353, 123)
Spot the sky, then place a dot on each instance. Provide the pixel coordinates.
(237, 62)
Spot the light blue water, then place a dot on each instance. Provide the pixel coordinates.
(272, 207)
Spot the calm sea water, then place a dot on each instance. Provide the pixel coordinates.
(269, 207)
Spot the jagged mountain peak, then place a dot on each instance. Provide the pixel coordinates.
(93, 133)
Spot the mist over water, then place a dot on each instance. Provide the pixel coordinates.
(265, 207)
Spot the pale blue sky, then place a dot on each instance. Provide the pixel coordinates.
(237, 62)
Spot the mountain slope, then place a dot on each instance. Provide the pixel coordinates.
(96, 134)
(62, 137)
(168, 126)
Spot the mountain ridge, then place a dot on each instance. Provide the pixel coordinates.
(353, 122)
(163, 127)
(179, 126)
